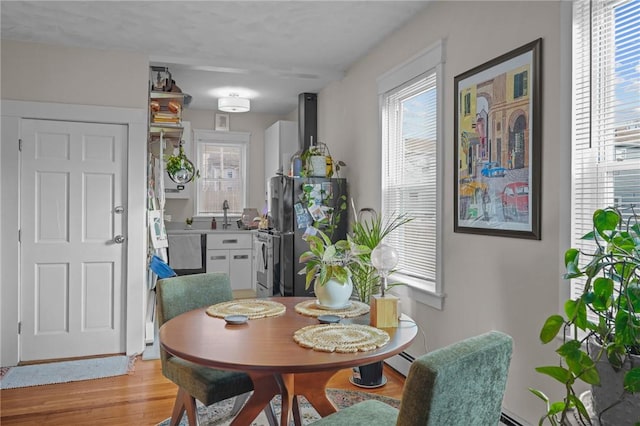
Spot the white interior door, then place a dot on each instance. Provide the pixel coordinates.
(72, 218)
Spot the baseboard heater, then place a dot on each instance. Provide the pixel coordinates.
(402, 362)
(506, 419)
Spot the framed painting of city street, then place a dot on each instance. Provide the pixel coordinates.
(497, 146)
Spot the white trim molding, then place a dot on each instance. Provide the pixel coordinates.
(13, 112)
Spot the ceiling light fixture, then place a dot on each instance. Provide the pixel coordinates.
(234, 103)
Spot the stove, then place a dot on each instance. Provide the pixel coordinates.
(266, 255)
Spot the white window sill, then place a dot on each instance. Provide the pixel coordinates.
(421, 291)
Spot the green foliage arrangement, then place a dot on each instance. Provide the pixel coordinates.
(612, 293)
(337, 207)
(369, 233)
(320, 149)
(176, 165)
(326, 260)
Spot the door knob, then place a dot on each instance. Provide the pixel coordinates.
(118, 209)
(119, 239)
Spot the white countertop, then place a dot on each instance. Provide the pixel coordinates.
(208, 231)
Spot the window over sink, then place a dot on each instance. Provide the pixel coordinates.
(222, 161)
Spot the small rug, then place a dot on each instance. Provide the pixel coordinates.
(66, 371)
(219, 414)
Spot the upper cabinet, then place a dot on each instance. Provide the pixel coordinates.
(280, 143)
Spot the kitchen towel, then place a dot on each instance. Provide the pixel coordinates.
(185, 251)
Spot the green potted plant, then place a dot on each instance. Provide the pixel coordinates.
(369, 229)
(370, 232)
(314, 161)
(317, 161)
(605, 351)
(180, 168)
(329, 265)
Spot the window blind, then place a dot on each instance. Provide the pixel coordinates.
(606, 114)
(409, 175)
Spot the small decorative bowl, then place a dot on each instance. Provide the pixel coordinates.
(329, 319)
(236, 319)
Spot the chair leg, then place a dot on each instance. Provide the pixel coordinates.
(184, 402)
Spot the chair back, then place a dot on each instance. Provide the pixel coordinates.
(461, 384)
(185, 293)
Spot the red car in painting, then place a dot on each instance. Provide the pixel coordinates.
(515, 200)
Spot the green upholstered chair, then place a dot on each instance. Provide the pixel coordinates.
(462, 384)
(181, 294)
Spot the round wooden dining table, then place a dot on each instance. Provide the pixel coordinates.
(265, 349)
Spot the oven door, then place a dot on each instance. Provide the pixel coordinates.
(263, 265)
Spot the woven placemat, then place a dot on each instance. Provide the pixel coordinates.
(343, 338)
(252, 308)
(312, 309)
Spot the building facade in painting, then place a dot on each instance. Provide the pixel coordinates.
(494, 123)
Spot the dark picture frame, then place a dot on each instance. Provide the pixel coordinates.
(497, 151)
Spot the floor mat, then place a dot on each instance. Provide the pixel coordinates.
(66, 371)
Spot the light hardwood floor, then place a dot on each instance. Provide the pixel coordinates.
(142, 398)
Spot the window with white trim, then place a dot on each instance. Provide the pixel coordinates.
(606, 113)
(410, 118)
(222, 161)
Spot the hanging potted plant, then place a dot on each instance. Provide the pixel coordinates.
(179, 168)
(314, 161)
(604, 353)
(317, 162)
(329, 266)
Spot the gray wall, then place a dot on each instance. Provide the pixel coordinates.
(499, 283)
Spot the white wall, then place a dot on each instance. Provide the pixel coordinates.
(498, 283)
(254, 123)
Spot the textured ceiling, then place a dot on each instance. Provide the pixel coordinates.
(268, 51)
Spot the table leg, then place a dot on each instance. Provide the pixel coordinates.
(265, 387)
(313, 387)
(287, 385)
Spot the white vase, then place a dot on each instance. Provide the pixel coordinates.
(333, 294)
(318, 165)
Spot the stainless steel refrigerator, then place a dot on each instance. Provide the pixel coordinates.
(296, 204)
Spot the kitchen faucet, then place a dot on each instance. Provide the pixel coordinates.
(225, 207)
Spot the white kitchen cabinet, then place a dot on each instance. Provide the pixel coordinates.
(280, 143)
(231, 253)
